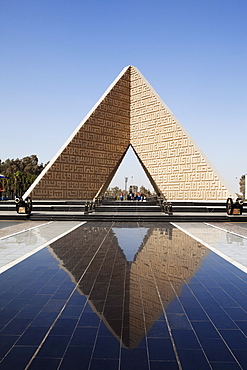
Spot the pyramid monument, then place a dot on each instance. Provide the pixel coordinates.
(130, 112)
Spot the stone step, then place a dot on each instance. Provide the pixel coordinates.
(129, 218)
(132, 208)
(125, 217)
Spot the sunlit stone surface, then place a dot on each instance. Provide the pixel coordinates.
(130, 113)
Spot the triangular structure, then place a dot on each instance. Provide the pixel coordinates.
(131, 173)
(129, 113)
(130, 240)
(115, 288)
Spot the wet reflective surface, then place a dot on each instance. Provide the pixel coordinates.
(27, 242)
(229, 244)
(124, 296)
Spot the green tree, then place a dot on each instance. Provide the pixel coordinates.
(145, 191)
(242, 185)
(21, 173)
(116, 191)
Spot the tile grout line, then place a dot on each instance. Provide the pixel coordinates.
(231, 350)
(22, 231)
(101, 314)
(164, 313)
(143, 312)
(63, 308)
(227, 231)
(74, 227)
(87, 302)
(28, 254)
(208, 316)
(221, 254)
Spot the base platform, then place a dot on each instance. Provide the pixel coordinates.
(123, 211)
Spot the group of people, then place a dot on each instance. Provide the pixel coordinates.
(132, 196)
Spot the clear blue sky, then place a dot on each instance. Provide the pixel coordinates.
(57, 58)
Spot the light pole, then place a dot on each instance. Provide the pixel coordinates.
(244, 192)
(126, 180)
(242, 183)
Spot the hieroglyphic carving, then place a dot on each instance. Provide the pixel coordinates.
(89, 158)
(130, 113)
(172, 159)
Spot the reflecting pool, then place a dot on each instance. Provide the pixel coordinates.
(124, 296)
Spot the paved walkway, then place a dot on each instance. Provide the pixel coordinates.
(14, 226)
(123, 296)
(23, 239)
(18, 240)
(228, 241)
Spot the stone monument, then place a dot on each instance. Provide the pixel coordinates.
(129, 113)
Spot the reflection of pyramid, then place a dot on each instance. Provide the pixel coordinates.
(129, 240)
(125, 295)
(129, 113)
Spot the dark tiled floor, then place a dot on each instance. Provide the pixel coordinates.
(124, 296)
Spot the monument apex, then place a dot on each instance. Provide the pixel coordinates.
(130, 113)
